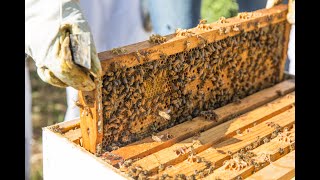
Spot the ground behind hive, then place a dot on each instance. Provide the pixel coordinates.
(48, 107)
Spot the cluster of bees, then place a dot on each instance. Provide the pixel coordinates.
(236, 161)
(187, 83)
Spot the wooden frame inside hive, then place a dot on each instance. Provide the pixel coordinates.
(252, 52)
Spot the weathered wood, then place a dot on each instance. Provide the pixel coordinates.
(271, 149)
(91, 122)
(73, 135)
(282, 169)
(218, 153)
(176, 44)
(187, 129)
(217, 134)
(68, 125)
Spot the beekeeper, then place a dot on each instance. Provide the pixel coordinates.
(48, 23)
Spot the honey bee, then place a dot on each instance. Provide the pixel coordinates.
(203, 21)
(157, 39)
(157, 138)
(85, 109)
(281, 151)
(164, 115)
(222, 20)
(191, 177)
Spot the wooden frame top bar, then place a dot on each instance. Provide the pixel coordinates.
(142, 52)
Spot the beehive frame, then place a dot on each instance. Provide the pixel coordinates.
(144, 52)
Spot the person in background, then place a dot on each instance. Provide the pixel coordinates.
(167, 15)
(48, 23)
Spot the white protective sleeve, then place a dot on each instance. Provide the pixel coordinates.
(48, 24)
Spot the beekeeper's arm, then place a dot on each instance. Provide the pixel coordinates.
(291, 8)
(48, 23)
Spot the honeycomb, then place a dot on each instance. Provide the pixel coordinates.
(188, 83)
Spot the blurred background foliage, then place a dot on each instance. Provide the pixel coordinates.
(212, 10)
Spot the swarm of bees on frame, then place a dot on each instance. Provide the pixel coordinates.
(188, 83)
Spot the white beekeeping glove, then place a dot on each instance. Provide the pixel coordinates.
(48, 24)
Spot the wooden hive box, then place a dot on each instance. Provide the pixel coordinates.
(258, 125)
(229, 100)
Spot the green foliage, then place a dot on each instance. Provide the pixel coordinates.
(212, 10)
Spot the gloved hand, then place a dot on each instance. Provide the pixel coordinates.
(48, 24)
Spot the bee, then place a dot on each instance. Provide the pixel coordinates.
(198, 159)
(222, 20)
(203, 21)
(238, 131)
(257, 24)
(221, 30)
(157, 138)
(191, 177)
(56, 129)
(236, 100)
(164, 176)
(227, 30)
(161, 167)
(266, 140)
(85, 109)
(180, 177)
(142, 177)
(88, 99)
(118, 51)
(186, 45)
(157, 39)
(201, 175)
(279, 93)
(181, 150)
(164, 115)
(281, 151)
(291, 147)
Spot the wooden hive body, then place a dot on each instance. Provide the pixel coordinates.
(254, 139)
